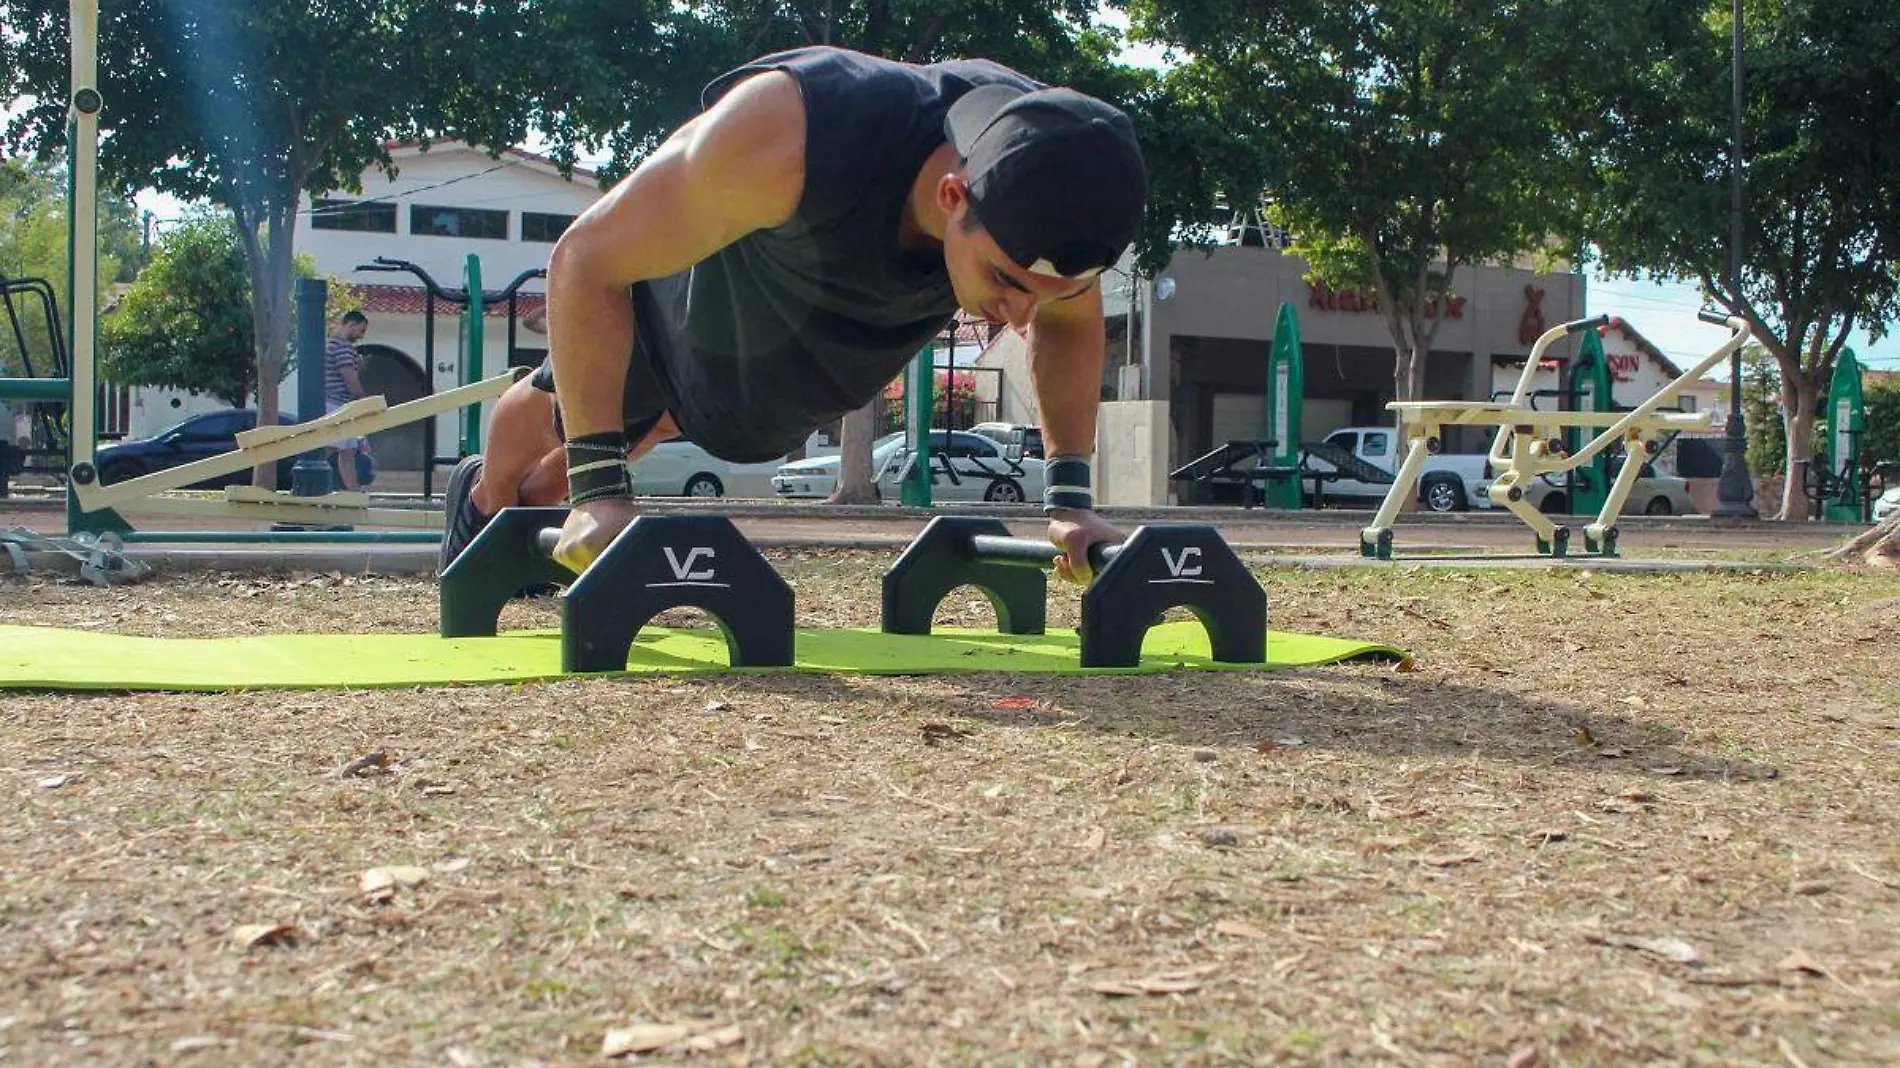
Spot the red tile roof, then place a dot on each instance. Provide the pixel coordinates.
(408, 300)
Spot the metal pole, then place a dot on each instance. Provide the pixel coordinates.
(1735, 493)
(311, 476)
(82, 295)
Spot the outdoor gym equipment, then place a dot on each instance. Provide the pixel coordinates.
(1160, 566)
(656, 563)
(1530, 444)
(1840, 482)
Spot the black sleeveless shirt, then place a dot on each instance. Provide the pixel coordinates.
(790, 328)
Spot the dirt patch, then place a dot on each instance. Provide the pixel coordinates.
(1612, 819)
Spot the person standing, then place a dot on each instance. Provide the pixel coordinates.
(343, 383)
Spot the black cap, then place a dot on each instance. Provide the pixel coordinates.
(1055, 176)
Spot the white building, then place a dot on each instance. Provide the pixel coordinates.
(446, 202)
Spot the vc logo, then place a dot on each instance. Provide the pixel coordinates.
(686, 568)
(1183, 566)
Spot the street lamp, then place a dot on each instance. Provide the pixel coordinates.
(1735, 494)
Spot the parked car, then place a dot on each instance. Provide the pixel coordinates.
(680, 468)
(964, 467)
(818, 476)
(1004, 434)
(200, 437)
(1449, 482)
(1653, 493)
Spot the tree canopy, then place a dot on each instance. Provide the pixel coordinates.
(33, 245)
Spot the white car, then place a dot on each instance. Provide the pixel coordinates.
(963, 467)
(679, 468)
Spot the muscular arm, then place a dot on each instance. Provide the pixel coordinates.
(1065, 368)
(737, 168)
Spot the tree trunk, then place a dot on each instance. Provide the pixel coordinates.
(1798, 421)
(1877, 547)
(855, 485)
(271, 306)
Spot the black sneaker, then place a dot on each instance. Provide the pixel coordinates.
(464, 520)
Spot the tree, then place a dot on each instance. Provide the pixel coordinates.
(33, 245)
(1821, 245)
(1406, 139)
(252, 105)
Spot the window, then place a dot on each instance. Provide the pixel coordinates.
(1686, 403)
(1378, 444)
(361, 216)
(541, 226)
(436, 221)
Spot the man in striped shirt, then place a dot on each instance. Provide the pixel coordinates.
(341, 385)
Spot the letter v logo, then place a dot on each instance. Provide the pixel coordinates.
(683, 569)
(1179, 566)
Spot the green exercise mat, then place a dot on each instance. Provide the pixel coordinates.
(62, 659)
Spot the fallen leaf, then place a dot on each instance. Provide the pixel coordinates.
(1798, 960)
(1583, 738)
(1147, 986)
(450, 867)
(377, 761)
(379, 884)
(1221, 837)
(939, 733)
(1267, 745)
(54, 782)
(193, 1043)
(1096, 838)
(729, 1035)
(711, 706)
(1526, 1057)
(1451, 860)
(1013, 704)
(1090, 893)
(1635, 701)
(251, 935)
(1714, 832)
(1407, 665)
(1666, 771)
(642, 1038)
(1236, 929)
(1672, 949)
(1810, 888)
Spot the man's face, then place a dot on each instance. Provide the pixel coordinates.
(987, 282)
(355, 329)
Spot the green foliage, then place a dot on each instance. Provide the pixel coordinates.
(1882, 441)
(1766, 435)
(33, 245)
(186, 322)
(1399, 141)
(1821, 239)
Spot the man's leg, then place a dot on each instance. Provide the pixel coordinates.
(346, 467)
(524, 462)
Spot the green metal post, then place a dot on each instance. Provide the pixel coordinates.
(918, 406)
(1846, 422)
(472, 352)
(1286, 389)
(1590, 391)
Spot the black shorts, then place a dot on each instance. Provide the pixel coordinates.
(642, 404)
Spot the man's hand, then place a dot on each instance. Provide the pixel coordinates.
(590, 528)
(1073, 531)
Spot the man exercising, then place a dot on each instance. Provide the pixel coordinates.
(788, 251)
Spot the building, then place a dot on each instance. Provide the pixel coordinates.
(447, 201)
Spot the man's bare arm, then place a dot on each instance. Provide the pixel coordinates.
(737, 168)
(1066, 346)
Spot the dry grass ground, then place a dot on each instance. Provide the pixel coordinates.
(1608, 820)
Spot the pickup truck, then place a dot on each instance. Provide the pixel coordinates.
(1364, 458)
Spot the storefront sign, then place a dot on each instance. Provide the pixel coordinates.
(1326, 298)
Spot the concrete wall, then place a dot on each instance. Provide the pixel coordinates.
(1131, 453)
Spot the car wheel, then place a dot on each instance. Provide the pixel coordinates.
(1004, 491)
(1444, 495)
(704, 485)
(120, 471)
(1659, 506)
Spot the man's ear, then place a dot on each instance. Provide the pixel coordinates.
(953, 192)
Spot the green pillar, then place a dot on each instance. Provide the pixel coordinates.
(472, 352)
(1589, 390)
(1846, 422)
(1286, 390)
(918, 406)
